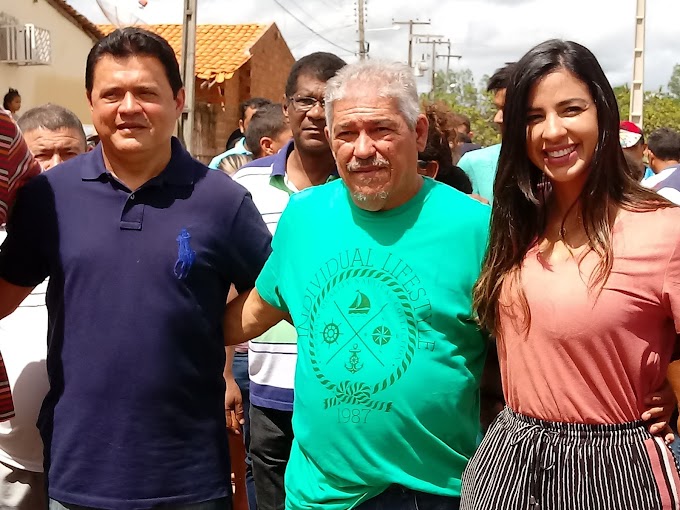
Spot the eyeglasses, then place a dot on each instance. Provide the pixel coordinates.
(304, 104)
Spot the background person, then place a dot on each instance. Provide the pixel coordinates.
(632, 140)
(480, 165)
(304, 162)
(237, 141)
(268, 131)
(53, 134)
(12, 102)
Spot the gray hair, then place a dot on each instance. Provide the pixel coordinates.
(385, 79)
(51, 117)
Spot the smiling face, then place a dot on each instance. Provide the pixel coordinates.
(562, 129)
(133, 107)
(376, 151)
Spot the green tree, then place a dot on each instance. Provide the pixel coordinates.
(674, 82)
(623, 99)
(459, 90)
(661, 109)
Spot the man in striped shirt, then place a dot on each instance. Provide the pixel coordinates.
(305, 161)
(17, 166)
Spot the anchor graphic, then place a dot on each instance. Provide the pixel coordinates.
(353, 365)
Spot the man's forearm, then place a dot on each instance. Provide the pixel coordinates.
(229, 363)
(248, 316)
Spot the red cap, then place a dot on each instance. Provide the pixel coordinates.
(627, 125)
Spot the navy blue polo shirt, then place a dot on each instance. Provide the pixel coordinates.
(138, 284)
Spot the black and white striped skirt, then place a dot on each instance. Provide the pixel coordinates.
(529, 464)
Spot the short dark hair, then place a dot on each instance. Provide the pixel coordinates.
(133, 41)
(51, 117)
(255, 103)
(501, 78)
(665, 144)
(320, 65)
(9, 97)
(268, 120)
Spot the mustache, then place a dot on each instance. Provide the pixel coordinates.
(375, 161)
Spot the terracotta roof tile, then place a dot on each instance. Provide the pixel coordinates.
(220, 49)
(88, 27)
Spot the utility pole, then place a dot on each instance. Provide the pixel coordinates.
(362, 37)
(434, 40)
(188, 69)
(637, 92)
(410, 24)
(448, 57)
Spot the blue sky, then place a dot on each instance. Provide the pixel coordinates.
(486, 33)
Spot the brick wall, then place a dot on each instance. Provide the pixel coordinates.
(264, 75)
(270, 65)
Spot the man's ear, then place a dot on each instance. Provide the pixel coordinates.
(241, 127)
(431, 170)
(421, 132)
(266, 146)
(180, 100)
(284, 107)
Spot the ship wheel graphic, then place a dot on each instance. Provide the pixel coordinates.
(381, 335)
(331, 333)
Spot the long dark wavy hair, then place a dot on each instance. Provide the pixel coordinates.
(519, 212)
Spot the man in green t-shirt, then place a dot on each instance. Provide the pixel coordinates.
(376, 271)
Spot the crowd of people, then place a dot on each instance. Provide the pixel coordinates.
(388, 315)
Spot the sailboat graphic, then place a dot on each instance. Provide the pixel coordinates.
(361, 305)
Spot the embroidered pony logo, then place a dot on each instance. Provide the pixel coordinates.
(185, 255)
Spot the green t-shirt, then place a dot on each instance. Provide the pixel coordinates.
(389, 356)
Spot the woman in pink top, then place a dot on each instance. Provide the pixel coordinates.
(581, 287)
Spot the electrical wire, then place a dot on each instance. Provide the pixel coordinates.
(311, 29)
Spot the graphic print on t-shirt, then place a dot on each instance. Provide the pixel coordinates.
(362, 325)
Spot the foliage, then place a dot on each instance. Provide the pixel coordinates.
(674, 82)
(459, 90)
(661, 109)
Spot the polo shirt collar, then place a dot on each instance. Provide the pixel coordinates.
(280, 161)
(179, 170)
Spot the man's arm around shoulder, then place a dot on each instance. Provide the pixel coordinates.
(248, 316)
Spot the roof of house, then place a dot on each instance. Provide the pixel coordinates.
(220, 49)
(78, 19)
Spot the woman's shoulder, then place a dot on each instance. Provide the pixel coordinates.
(653, 234)
(653, 221)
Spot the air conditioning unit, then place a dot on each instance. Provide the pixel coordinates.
(25, 45)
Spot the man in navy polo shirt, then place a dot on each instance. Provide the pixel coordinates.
(141, 243)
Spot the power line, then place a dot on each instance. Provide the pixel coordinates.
(311, 29)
